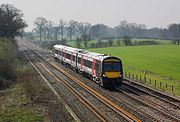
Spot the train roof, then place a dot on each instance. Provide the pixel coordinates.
(84, 52)
(67, 48)
(94, 54)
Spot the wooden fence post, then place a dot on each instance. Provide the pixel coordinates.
(137, 77)
(160, 84)
(133, 76)
(145, 79)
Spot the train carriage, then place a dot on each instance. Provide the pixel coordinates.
(70, 55)
(104, 69)
(58, 52)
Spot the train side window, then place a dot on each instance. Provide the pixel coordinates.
(68, 56)
(73, 58)
(87, 63)
(79, 60)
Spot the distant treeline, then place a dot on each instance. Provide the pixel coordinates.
(83, 32)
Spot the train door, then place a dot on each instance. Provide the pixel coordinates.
(98, 69)
(76, 59)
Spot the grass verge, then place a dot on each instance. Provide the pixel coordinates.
(161, 62)
(29, 99)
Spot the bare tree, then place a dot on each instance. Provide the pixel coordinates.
(84, 29)
(56, 30)
(72, 25)
(174, 32)
(44, 30)
(93, 31)
(99, 30)
(110, 42)
(62, 26)
(127, 41)
(49, 30)
(118, 42)
(78, 42)
(40, 23)
(99, 43)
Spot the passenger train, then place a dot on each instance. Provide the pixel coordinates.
(104, 69)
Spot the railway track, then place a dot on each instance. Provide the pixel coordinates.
(167, 106)
(112, 110)
(135, 94)
(173, 101)
(76, 118)
(142, 106)
(130, 109)
(57, 93)
(147, 106)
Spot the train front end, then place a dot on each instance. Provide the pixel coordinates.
(112, 72)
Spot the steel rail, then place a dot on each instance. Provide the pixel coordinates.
(110, 104)
(76, 118)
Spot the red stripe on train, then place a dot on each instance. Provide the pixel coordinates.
(81, 61)
(64, 55)
(71, 57)
(93, 65)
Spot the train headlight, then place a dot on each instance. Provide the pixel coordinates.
(104, 75)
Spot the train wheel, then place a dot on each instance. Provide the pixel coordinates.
(119, 84)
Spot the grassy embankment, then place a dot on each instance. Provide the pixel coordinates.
(24, 96)
(162, 62)
(14, 98)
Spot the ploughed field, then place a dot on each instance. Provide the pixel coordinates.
(161, 62)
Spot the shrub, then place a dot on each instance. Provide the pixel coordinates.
(7, 60)
(147, 43)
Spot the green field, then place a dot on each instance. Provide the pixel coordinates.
(162, 62)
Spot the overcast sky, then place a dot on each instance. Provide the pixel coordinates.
(152, 13)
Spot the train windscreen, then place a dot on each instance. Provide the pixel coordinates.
(112, 66)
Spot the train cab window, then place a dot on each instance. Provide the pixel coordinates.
(107, 66)
(111, 66)
(116, 66)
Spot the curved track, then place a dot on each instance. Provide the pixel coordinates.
(152, 104)
(120, 113)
